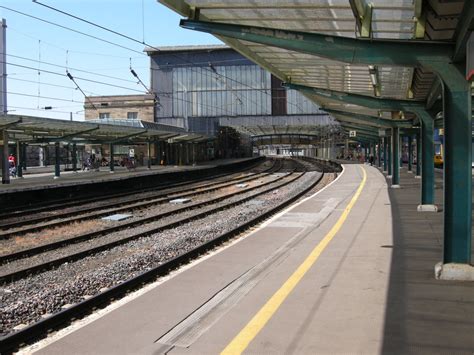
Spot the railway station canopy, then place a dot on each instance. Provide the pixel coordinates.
(40, 130)
(309, 45)
(373, 65)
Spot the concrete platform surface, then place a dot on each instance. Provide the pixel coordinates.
(371, 290)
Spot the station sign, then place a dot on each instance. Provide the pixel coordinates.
(382, 133)
(352, 133)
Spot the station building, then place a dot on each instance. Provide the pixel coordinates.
(206, 87)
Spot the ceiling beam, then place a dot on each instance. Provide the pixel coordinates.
(380, 122)
(434, 94)
(10, 124)
(463, 31)
(348, 50)
(420, 20)
(120, 139)
(363, 15)
(75, 134)
(362, 100)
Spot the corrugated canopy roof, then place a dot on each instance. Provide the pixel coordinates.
(45, 130)
(377, 19)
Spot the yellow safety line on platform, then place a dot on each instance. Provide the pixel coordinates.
(250, 331)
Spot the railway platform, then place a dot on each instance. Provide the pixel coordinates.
(347, 270)
(41, 177)
(42, 187)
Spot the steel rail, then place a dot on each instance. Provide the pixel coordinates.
(86, 213)
(55, 245)
(11, 342)
(53, 204)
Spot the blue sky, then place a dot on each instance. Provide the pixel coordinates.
(39, 43)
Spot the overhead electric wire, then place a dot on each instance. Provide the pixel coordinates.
(41, 97)
(47, 84)
(78, 78)
(126, 37)
(114, 32)
(83, 93)
(163, 94)
(41, 110)
(70, 29)
(129, 38)
(67, 67)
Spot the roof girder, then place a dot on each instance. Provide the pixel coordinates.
(363, 14)
(348, 50)
(381, 122)
(362, 100)
(463, 30)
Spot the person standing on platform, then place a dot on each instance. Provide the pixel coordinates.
(12, 164)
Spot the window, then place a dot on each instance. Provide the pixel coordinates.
(132, 115)
(104, 115)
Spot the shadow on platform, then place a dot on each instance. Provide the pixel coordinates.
(423, 315)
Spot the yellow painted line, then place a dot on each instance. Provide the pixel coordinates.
(250, 331)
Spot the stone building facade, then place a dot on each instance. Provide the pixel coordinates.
(138, 107)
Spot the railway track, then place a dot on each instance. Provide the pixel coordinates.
(41, 327)
(140, 222)
(91, 212)
(12, 214)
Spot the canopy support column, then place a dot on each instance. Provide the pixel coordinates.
(23, 154)
(379, 154)
(149, 155)
(19, 163)
(389, 158)
(457, 176)
(395, 158)
(427, 165)
(57, 161)
(385, 147)
(111, 158)
(5, 164)
(410, 153)
(74, 157)
(418, 155)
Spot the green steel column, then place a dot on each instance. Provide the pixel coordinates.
(19, 163)
(389, 157)
(427, 165)
(457, 174)
(379, 153)
(23, 154)
(385, 147)
(74, 157)
(410, 153)
(5, 164)
(57, 161)
(149, 155)
(400, 150)
(111, 158)
(418, 154)
(395, 157)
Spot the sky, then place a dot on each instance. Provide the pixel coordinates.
(35, 48)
